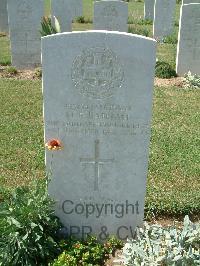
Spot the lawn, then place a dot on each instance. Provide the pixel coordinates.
(173, 180)
(174, 169)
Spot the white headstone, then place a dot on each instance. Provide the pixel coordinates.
(190, 1)
(3, 16)
(164, 12)
(111, 15)
(149, 9)
(76, 7)
(24, 22)
(97, 89)
(65, 11)
(188, 49)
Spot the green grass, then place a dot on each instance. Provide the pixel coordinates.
(174, 170)
(5, 58)
(173, 184)
(21, 153)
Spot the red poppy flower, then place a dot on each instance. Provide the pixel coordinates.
(53, 144)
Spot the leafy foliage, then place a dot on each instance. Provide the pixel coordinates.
(86, 253)
(171, 39)
(82, 19)
(132, 20)
(28, 227)
(164, 70)
(38, 72)
(47, 27)
(192, 81)
(155, 245)
(138, 30)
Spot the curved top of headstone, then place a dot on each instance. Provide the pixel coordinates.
(103, 32)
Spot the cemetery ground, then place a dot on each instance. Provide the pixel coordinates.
(174, 166)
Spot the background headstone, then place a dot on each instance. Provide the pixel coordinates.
(3, 16)
(190, 1)
(65, 11)
(97, 89)
(164, 11)
(149, 9)
(188, 49)
(24, 22)
(111, 15)
(76, 7)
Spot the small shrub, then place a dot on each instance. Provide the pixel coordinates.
(191, 81)
(11, 70)
(65, 260)
(155, 245)
(88, 252)
(38, 72)
(82, 19)
(164, 70)
(132, 20)
(171, 39)
(47, 27)
(139, 31)
(28, 227)
(5, 62)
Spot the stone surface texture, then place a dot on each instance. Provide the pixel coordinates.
(149, 9)
(164, 12)
(111, 15)
(188, 49)
(97, 103)
(65, 11)
(190, 1)
(3, 16)
(24, 22)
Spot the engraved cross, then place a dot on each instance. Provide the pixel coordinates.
(96, 161)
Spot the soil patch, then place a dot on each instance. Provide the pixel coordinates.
(177, 82)
(27, 74)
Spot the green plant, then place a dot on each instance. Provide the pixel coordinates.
(164, 70)
(86, 253)
(5, 62)
(65, 260)
(82, 19)
(47, 27)
(171, 39)
(38, 72)
(11, 70)
(139, 31)
(28, 227)
(155, 245)
(132, 20)
(192, 81)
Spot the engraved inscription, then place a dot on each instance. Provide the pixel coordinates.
(24, 10)
(96, 161)
(97, 73)
(109, 11)
(95, 119)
